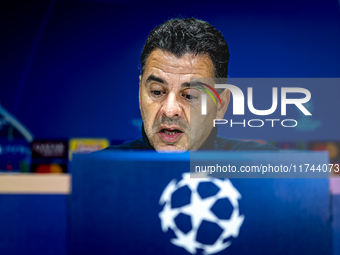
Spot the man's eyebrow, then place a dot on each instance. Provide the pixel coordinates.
(194, 84)
(156, 79)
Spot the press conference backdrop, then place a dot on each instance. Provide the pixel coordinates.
(70, 68)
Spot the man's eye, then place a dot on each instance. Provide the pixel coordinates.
(157, 92)
(190, 97)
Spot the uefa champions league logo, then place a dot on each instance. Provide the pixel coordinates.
(199, 210)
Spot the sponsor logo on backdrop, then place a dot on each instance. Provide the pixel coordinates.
(202, 213)
(333, 149)
(52, 168)
(49, 149)
(14, 155)
(49, 156)
(80, 145)
(14, 149)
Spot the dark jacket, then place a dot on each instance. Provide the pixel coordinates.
(213, 142)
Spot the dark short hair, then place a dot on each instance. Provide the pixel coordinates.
(180, 36)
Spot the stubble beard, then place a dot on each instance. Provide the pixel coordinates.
(182, 144)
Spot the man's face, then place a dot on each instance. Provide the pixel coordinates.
(167, 101)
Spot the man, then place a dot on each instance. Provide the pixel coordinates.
(177, 55)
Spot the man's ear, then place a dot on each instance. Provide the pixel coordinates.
(225, 98)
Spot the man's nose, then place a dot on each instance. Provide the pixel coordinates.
(171, 106)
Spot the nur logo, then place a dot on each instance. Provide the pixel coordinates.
(204, 97)
(238, 102)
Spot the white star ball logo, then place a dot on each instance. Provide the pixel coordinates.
(199, 210)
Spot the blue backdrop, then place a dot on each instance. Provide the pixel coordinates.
(70, 68)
